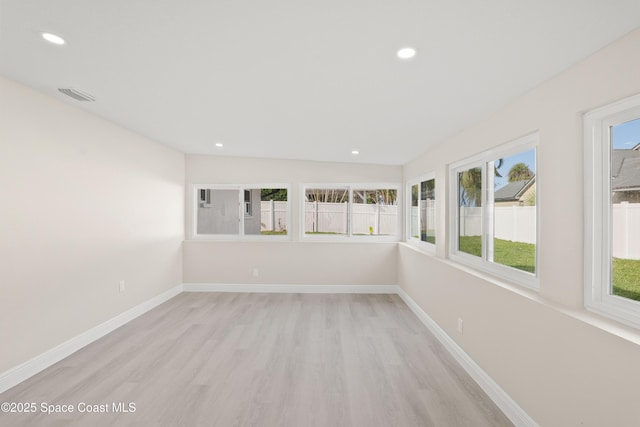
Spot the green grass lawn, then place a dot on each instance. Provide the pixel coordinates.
(274, 233)
(626, 272)
(470, 245)
(626, 278)
(513, 254)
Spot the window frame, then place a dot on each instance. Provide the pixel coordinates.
(520, 277)
(431, 247)
(194, 203)
(597, 212)
(349, 236)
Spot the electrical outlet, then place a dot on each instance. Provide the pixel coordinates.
(122, 287)
(256, 273)
(460, 325)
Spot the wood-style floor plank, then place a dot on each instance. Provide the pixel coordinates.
(250, 359)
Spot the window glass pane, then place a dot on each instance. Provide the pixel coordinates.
(625, 210)
(415, 211)
(514, 213)
(326, 211)
(247, 202)
(205, 197)
(374, 212)
(220, 215)
(427, 211)
(265, 211)
(470, 211)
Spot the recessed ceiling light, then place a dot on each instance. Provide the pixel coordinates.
(355, 152)
(52, 38)
(219, 144)
(406, 53)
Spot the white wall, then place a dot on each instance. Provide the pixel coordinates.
(83, 204)
(294, 261)
(297, 263)
(563, 365)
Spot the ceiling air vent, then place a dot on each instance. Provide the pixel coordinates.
(78, 95)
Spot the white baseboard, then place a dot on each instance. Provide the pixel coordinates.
(511, 409)
(292, 289)
(22, 372)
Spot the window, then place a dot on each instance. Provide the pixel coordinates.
(326, 211)
(422, 210)
(612, 211)
(344, 210)
(247, 202)
(264, 210)
(375, 212)
(494, 211)
(470, 218)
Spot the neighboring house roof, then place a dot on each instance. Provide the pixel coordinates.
(625, 169)
(513, 190)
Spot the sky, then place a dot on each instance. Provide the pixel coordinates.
(527, 157)
(626, 135)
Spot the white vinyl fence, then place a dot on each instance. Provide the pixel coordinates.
(625, 236)
(374, 219)
(325, 217)
(518, 224)
(367, 218)
(427, 210)
(470, 221)
(333, 218)
(514, 223)
(273, 216)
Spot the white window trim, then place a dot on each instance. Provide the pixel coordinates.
(523, 278)
(194, 198)
(349, 237)
(408, 197)
(597, 212)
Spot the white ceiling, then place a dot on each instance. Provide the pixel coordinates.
(297, 78)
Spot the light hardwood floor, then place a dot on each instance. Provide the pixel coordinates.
(231, 359)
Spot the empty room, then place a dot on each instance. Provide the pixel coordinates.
(222, 213)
